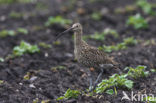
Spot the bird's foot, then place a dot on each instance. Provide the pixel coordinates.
(91, 89)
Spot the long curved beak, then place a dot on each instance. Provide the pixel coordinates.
(61, 34)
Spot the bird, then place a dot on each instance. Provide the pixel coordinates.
(87, 55)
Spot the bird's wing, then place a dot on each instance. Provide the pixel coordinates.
(96, 55)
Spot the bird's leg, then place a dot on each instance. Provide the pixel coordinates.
(91, 79)
(102, 67)
(98, 78)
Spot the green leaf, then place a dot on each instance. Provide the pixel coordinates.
(150, 99)
(110, 91)
(5, 33)
(96, 16)
(153, 70)
(101, 36)
(113, 81)
(25, 48)
(138, 72)
(44, 45)
(137, 21)
(70, 94)
(60, 98)
(1, 59)
(22, 30)
(57, 20)
(129, 84)
(1, 82)
(146, 7)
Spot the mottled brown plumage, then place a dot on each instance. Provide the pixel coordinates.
(87, 55)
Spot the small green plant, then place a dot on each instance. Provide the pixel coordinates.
(126, 9)
(15, 1)
(57, 42)
(130, 41)
(137, 21)
(115, 80)
(146, 7)
(45, 101)
(110, 91)
(1, 82)
(44, 45)
(102, 36)
(153, 70)
(60, 67)
(57, 20)
(137, 72)
(121, 46)
(150, 99)
(96, 16)
(27, 76)
(1, 59)
(25, 47)
(36, 100)
(70, 94)
(41, 6)
(22, 30)
(15, 15)
(7, 1)
(5, 33)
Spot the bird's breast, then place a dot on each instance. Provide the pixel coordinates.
(84, 59)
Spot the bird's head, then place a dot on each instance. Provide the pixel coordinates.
(76, 28)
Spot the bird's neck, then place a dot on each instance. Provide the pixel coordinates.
(78, 38)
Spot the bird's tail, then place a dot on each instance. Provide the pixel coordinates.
(116, 65)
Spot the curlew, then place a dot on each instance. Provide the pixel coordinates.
(87, 55)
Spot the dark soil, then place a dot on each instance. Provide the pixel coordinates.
(52, 84)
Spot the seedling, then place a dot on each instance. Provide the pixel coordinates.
(7, 1)
(15, 1)
(121, 46)
(96, 16)
(115, 80)
(130, 41)
(126, 9)
(137, 72)
(60, 67)
(22, 30)
(27, 76)
(23, 48)
(36, 100)
(153, 70)
(137, 21)
(149, 42)
(45, 101)
(70, 94)
(41, 6)
(146, 7)
(110, 91)
(1, 82)
(5, 33)
(150, 99)
(56, 42)
(92, 1)
(44, 45)
(102, 36)
(15, 15)
(57, 20)
(1, 59)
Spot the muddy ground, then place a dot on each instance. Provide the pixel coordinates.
(51, 84)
